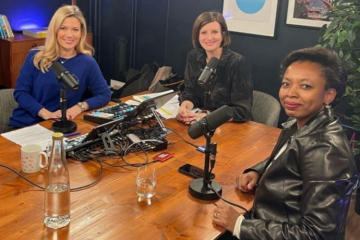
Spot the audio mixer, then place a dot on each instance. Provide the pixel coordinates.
(110, 113)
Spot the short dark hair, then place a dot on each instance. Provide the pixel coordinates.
(334, 67)
(208, 17)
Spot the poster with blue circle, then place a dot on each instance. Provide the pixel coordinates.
(251, 16)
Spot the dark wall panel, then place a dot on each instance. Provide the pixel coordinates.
(151, 32)
(115, 22)
(109, 20)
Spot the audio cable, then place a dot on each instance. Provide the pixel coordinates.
(227, 201)
(71, 190)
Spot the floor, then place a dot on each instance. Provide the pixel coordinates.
(353, 223)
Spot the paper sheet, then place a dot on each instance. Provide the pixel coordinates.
(144, 97)
(116, 84)
(170, 109)
(36, 134)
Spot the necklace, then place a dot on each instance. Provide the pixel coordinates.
(63, 60)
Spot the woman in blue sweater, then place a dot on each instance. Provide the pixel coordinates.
(38, 90)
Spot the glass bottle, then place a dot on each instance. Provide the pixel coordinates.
(57, 186)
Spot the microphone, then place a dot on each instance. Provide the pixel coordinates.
(69, 81)
(65, 76)
(211, 121)
(208, 71)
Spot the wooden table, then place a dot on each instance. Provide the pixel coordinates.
(110, 210)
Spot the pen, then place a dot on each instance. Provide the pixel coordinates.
(71, 134)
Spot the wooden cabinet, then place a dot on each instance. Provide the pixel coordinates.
(13, 52)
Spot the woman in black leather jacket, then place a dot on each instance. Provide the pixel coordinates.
(303, 189)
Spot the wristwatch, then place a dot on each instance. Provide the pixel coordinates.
(82, 106)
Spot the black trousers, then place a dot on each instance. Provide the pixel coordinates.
(227, 236)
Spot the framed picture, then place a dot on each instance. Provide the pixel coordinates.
(251, 17)
(308, 13)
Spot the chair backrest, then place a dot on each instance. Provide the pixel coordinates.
(266, 109)
(7, 105)
(134, 83)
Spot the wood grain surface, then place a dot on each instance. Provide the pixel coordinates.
(110, 210)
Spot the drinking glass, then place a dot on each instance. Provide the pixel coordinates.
(146, 183)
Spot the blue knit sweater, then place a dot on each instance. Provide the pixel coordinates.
(36, 90)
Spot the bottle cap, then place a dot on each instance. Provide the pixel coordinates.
(58, 135)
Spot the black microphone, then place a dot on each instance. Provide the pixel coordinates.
(65, 76)
(208, 71)
(211, 121)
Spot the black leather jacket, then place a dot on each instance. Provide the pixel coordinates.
(305, 193)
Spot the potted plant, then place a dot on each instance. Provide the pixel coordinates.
(343, 35)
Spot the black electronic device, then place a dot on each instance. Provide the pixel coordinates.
(69, 81)
(193, 171)
(106, 130)
(94, 137)
(65, 76)
(210, 122)
(209, 71)
(156, 102)
(110, 113)
(125, 111)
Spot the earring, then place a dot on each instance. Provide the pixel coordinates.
(327, 105)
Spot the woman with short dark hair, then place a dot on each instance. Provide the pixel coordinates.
(303, 190)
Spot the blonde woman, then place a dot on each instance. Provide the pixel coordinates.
(37, 89)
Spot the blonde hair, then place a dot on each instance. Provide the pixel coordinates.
(50, 52)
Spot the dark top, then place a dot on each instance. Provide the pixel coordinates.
(306, 191)
(232, 84)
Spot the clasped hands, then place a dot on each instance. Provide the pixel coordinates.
(71, 113)
(225, 215)
(188, 117)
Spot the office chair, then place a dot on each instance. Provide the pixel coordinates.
(266, 109)
(7, 105)
(134, 83)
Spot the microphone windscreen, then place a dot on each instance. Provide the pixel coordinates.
(209, 70)
(219, 116)
(213, 62)
(64, 76)
(57, 68)
(211, 121)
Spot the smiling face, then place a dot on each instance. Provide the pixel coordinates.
(69, 35)
(302, 93)
(210, 38)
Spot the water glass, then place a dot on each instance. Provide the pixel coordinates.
(146, 183)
